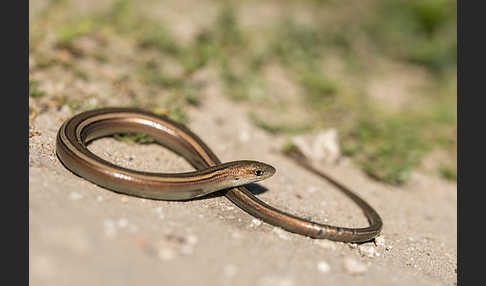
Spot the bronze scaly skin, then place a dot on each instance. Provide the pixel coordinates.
(211, 174)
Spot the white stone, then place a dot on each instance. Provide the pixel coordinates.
(192, 239)
(380, 241)
(256, 222)
(75, 196)
(323, 266)
(159, 212)
(110, 228)
(319, 146)
(367, 250)
(244, 136)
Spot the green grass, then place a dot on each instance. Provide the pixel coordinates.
(150, 73)
(431, 14)
(75, 29)
(297, 44)
(198, 54)
(386, 145)
(276, 128)
(34, 90)
(448, 173)
(76, 104)
(123, 19)
(422, 32)
(175, 113)
(387, 148)
(299, 48)
(132, 138)
(242, 86)
(159, 38)
(288, 147)
(178, 114)
(226, 27)
(318, 88)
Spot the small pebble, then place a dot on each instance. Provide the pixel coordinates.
(191, 239)
(109, 227)
(323, 266)
(159, 212)
(244, 136)
(75, 196)
(256, 222)
(380, 241)
(124, 199)
(354, 267)
(99, 198)
(367, 250)
(323, 145)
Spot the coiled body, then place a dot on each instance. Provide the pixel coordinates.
(211, 174)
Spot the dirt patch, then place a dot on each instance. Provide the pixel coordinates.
(124, 240)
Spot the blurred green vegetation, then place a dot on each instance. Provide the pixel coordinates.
(279, 127)
(420, 31)
(34, 90)
(387, 149)
(386, 143)
(132, 138)
(448, 173)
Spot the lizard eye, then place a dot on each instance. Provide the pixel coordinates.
(258, 173)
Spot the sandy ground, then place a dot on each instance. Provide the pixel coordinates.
(82, 234)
